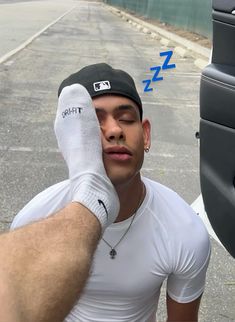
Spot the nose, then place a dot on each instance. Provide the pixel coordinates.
(112, 130)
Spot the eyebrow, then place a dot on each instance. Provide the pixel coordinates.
(123, 107)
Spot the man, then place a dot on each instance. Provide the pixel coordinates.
(156, 235)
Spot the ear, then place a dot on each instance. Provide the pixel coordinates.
(146, 133)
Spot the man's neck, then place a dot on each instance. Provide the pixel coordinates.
(131, 195)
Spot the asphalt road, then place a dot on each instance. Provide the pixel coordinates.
(89, 33)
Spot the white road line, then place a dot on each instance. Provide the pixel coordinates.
(164, 155)
(165, 103)
(20, 149)
(28, 149)
(170, 170)
(31, 39)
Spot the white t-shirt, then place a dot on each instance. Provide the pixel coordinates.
(167, 240)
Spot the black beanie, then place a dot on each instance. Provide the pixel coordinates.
(100, 79)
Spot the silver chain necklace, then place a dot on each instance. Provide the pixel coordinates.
(113, 251)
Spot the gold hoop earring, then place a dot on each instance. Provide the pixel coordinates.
(146, 150)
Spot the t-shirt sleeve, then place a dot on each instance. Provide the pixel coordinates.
(44, 204)
(186, 282)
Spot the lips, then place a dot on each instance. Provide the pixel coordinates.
(118, 153)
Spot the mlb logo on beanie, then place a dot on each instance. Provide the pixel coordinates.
(99, 86)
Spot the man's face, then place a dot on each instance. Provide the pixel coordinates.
(124, 137)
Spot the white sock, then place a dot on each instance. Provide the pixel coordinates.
(79, 139)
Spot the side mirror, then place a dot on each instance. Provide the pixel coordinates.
(217, 126)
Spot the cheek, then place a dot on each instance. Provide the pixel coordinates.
(136, 139)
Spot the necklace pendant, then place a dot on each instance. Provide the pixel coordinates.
(112, 253)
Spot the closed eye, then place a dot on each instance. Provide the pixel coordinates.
(126, 121)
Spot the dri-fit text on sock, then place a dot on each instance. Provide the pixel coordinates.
(71, 110)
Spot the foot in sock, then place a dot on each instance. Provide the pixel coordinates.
(79, 139)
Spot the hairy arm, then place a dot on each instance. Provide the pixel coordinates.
(44, 266)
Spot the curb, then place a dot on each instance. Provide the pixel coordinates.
(183, 47)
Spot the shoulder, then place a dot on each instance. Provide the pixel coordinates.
(168, 204)
(184, 230)
(167, 200)
(162, 192)
(43, 204)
